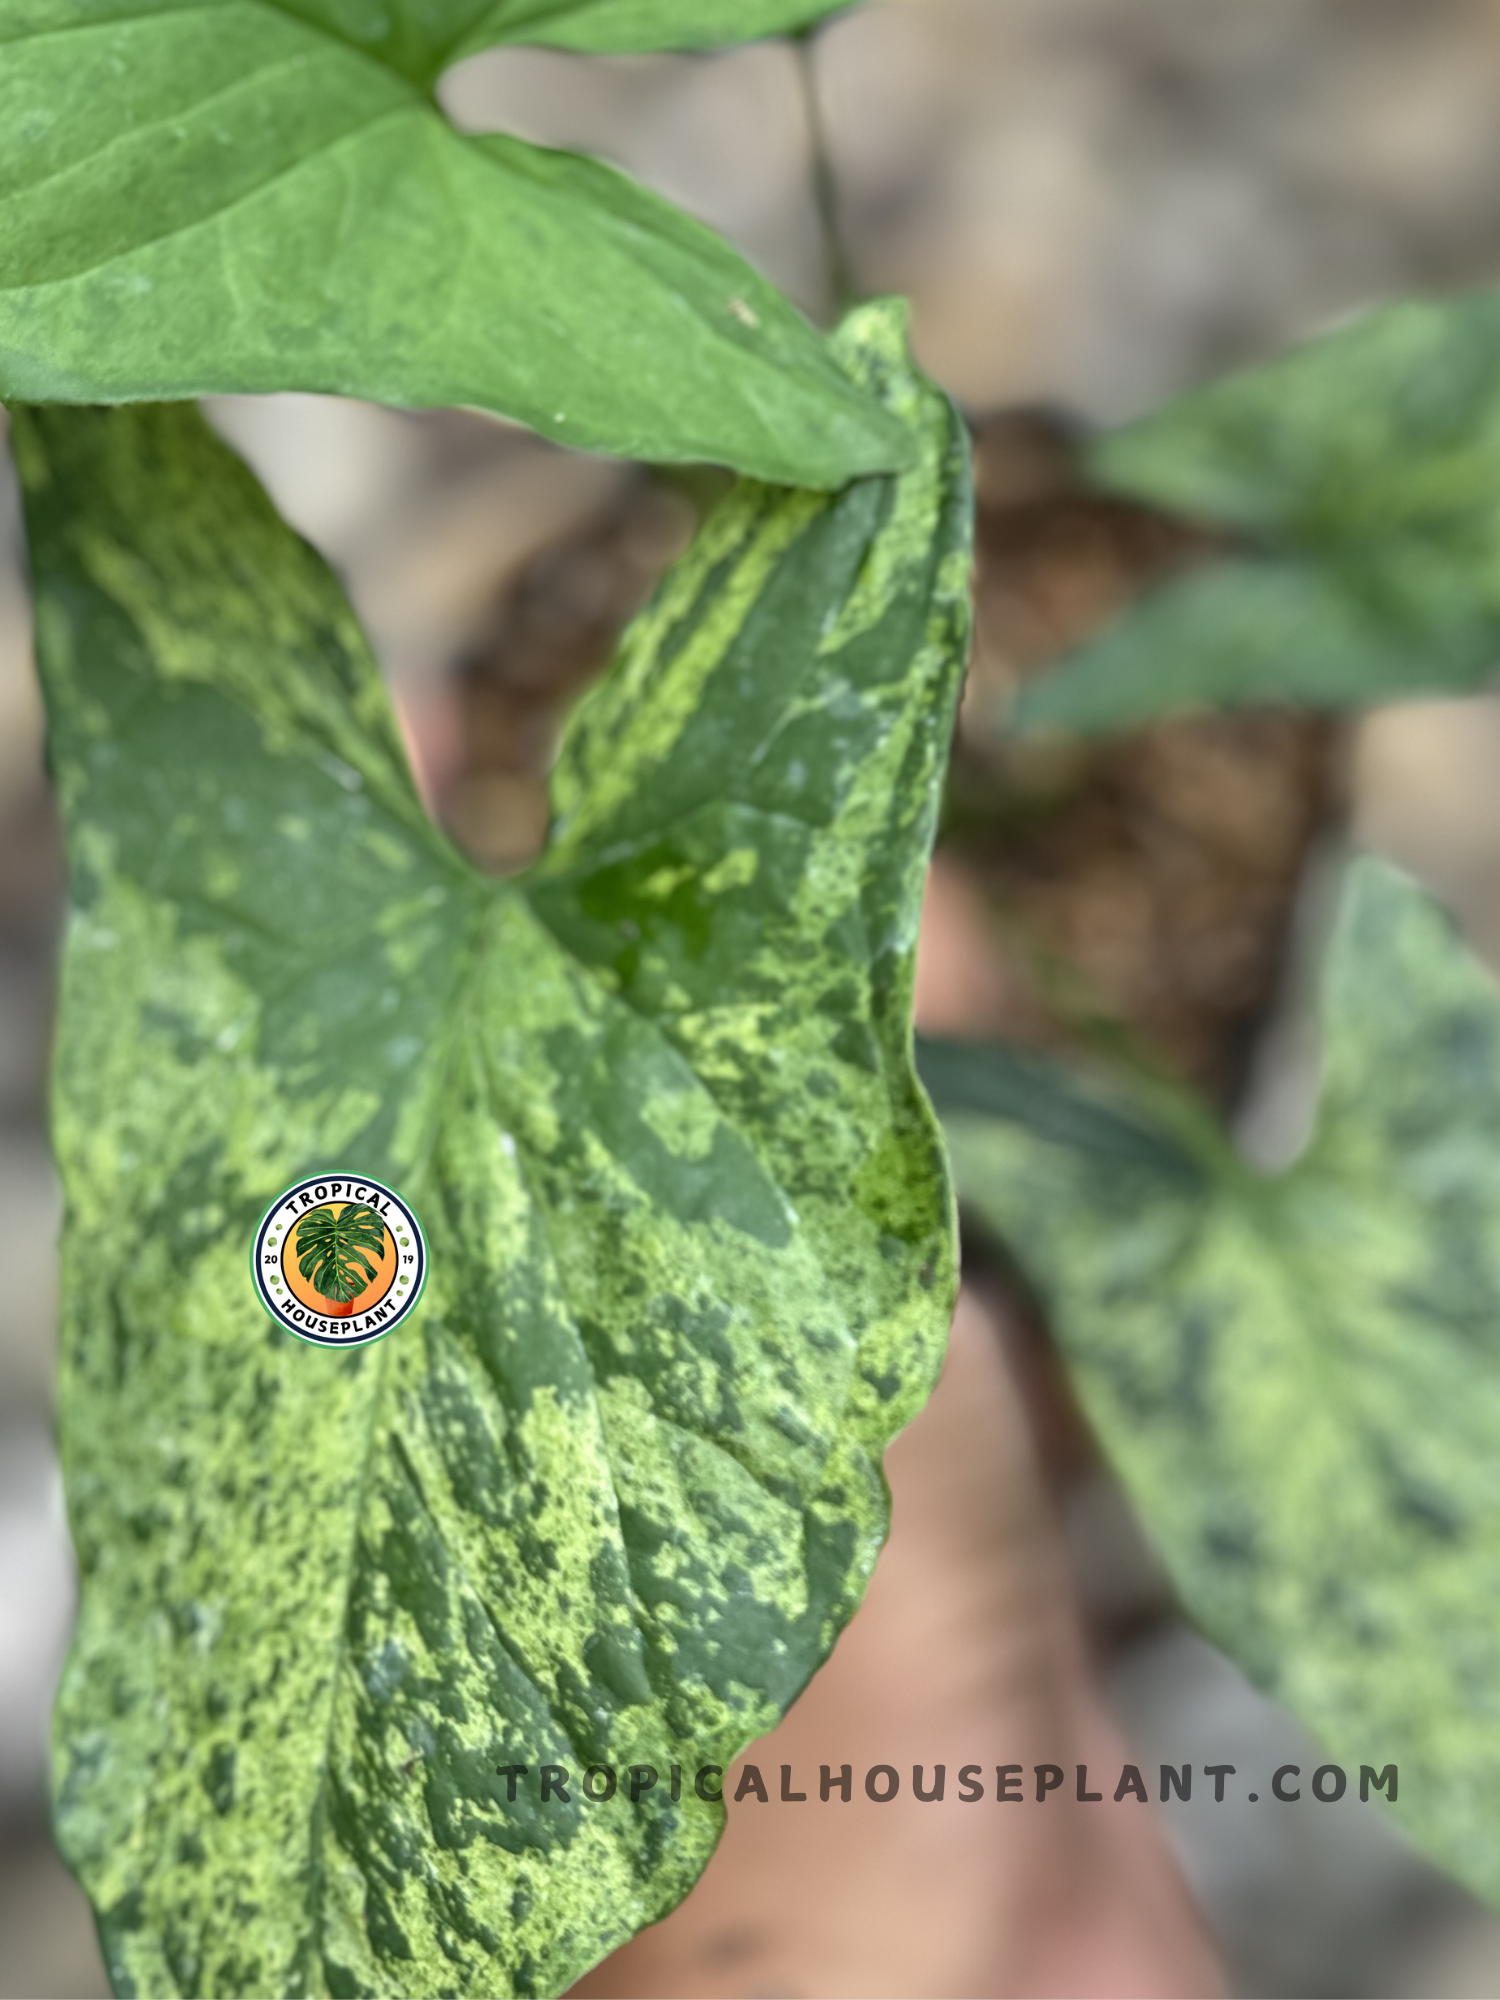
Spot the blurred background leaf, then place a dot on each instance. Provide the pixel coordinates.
(1358, 482)
(1299, 1376)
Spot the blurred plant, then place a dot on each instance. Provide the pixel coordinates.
(1355, 487)
(1296, 1374)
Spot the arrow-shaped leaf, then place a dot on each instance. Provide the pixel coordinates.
(610, 1493)
(209, 195)
(1299, 1378)
(1362, 475)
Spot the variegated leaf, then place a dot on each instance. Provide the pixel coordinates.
(611, 1492)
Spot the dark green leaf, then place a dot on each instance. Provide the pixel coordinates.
(1299, 1378)
(235, 194)
(1363, 474)
(612, 1490)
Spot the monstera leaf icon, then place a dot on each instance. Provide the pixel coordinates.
(330, 1250)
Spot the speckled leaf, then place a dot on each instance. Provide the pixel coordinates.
(1299, 1377)
(1362, 474)
(609, 1494)
(206, 195)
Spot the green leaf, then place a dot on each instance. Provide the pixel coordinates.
(627, 26)
(244, 195)
(610, 1493)
(1299, 1377)
(1362, 476)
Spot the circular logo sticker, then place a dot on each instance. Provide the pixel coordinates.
(339, 1260)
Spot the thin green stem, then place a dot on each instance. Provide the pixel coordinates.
(838, 274)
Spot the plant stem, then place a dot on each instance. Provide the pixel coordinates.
(839, 276)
